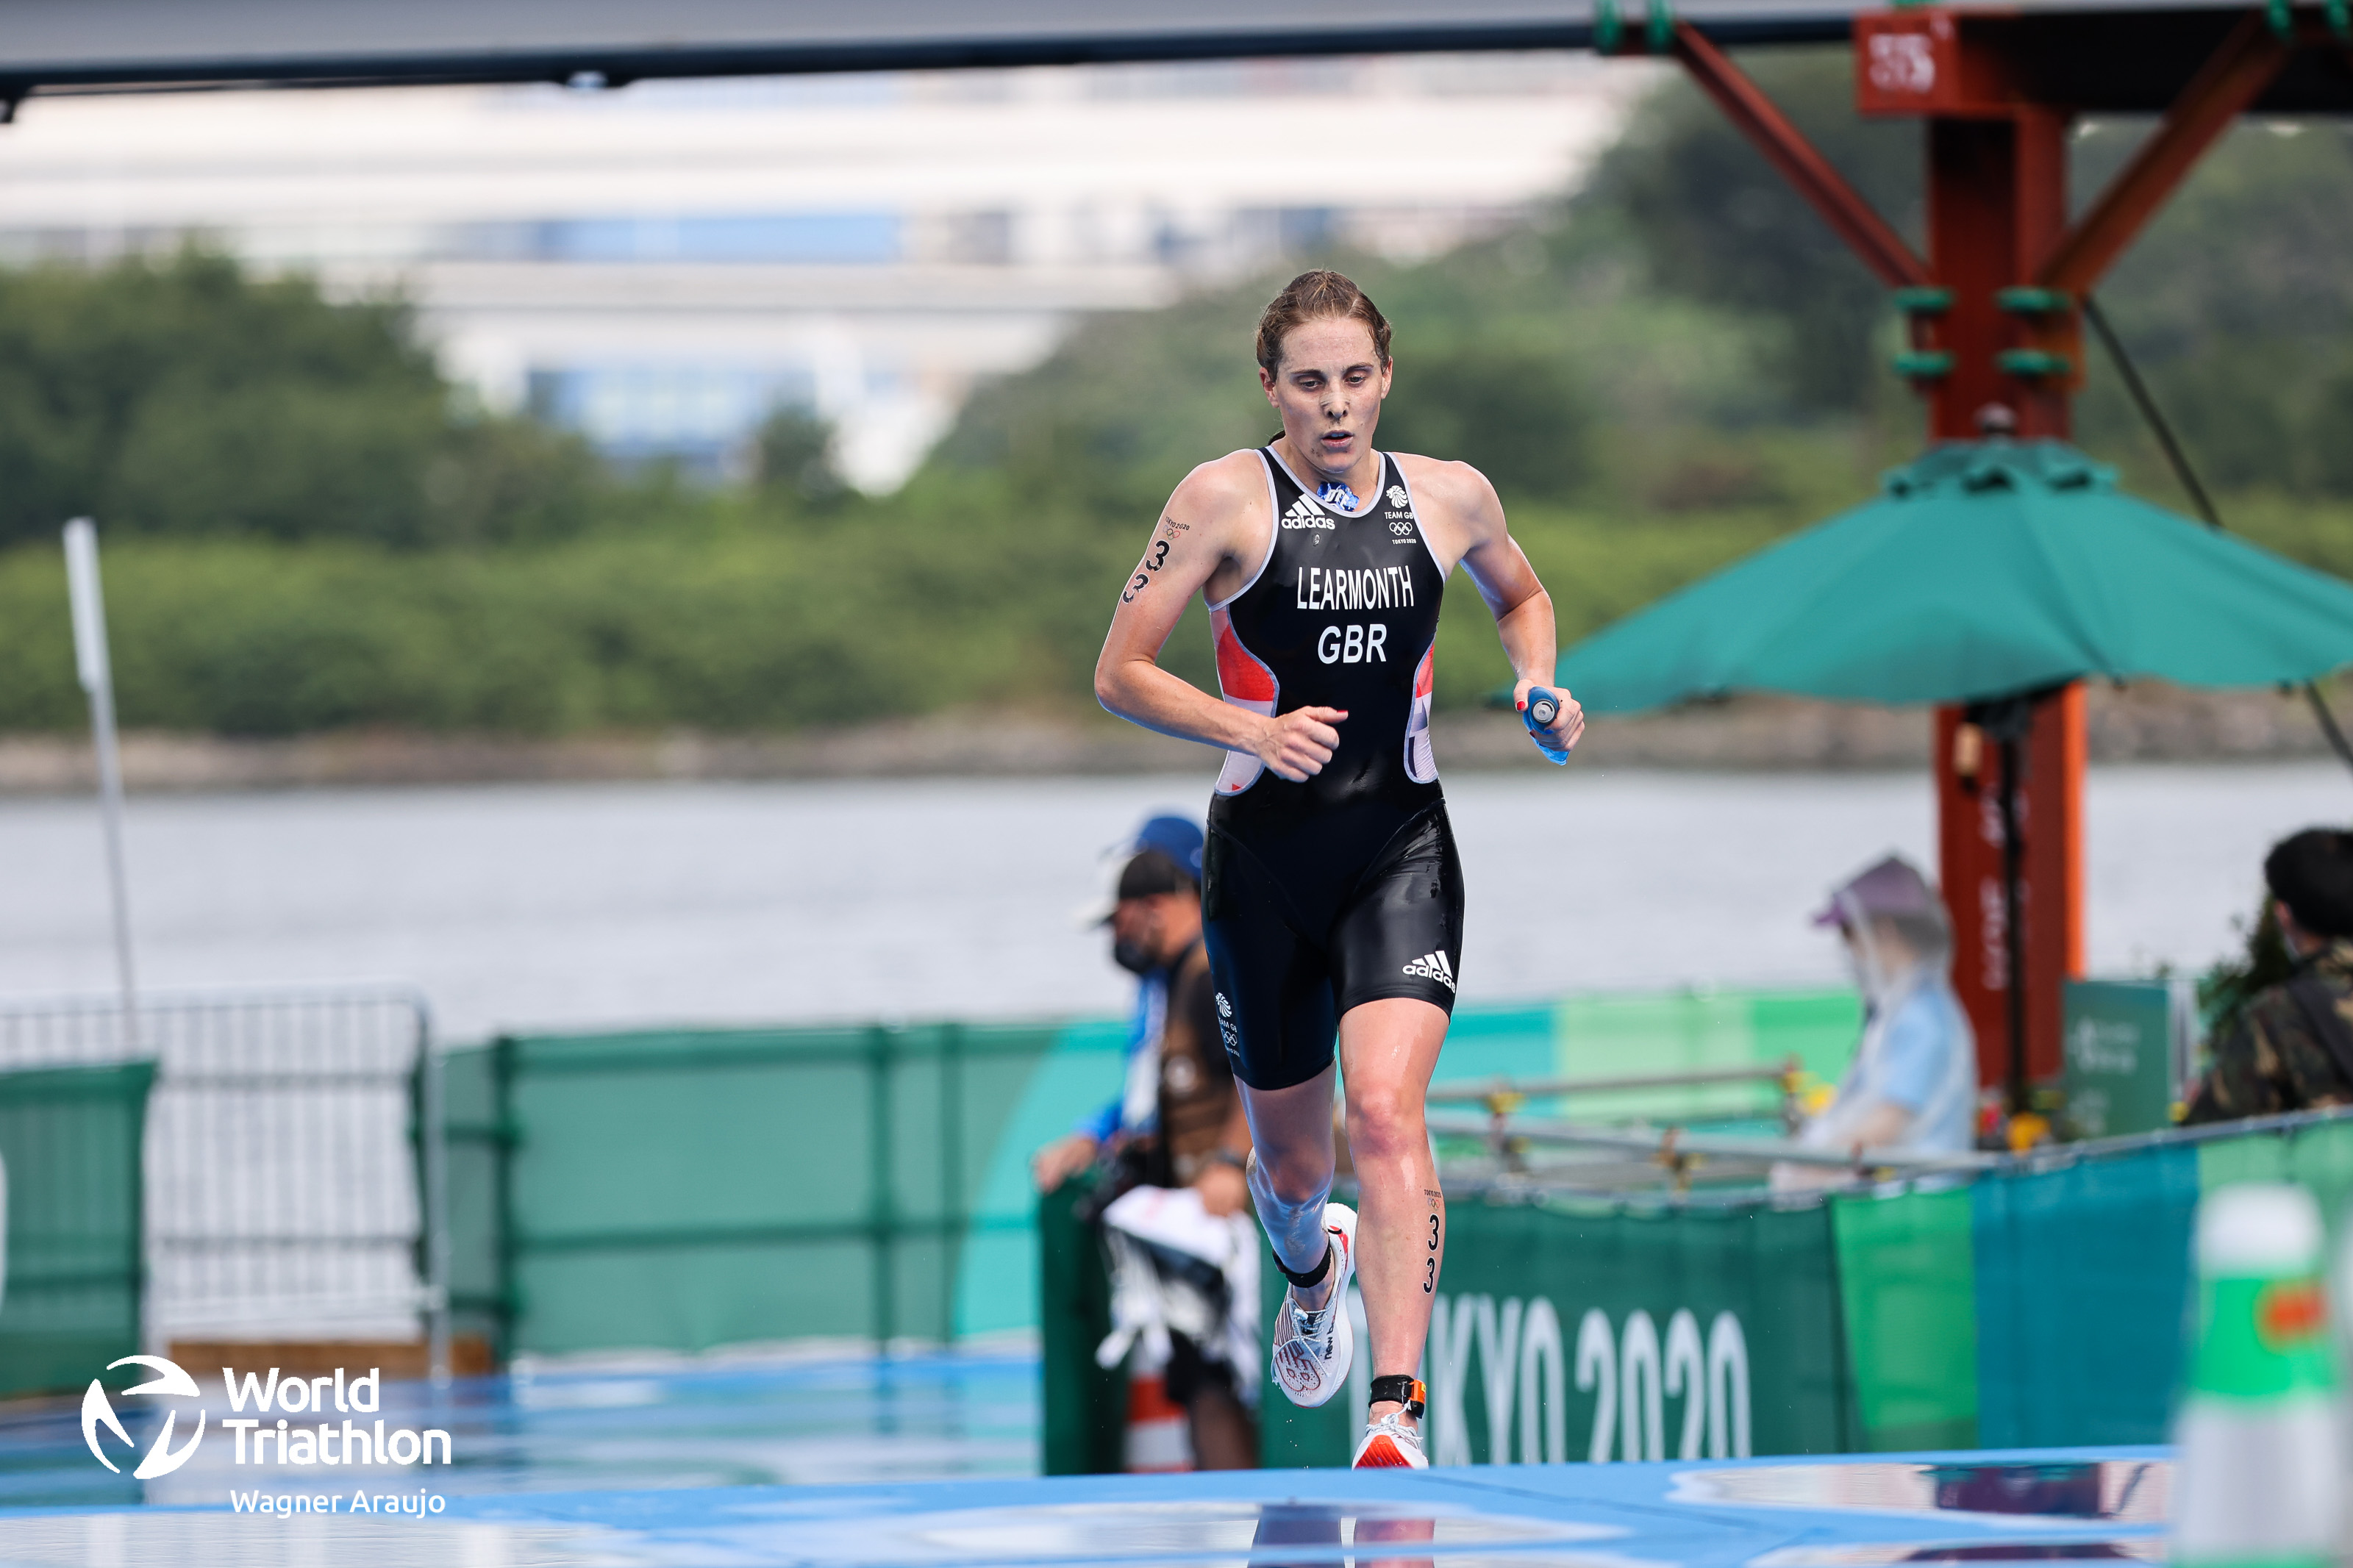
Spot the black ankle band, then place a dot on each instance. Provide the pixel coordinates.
(1400, 1389)
(1315, 1276)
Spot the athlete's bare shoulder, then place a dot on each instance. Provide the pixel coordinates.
(1454, 488)
(1220, 489)
(1222, 505)
(1458, 508)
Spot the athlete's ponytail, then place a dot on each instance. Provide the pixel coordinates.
(1317, 296)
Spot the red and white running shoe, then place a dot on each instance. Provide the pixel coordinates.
(1312, 1351)
(1392, 1443)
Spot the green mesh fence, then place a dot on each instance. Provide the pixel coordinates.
(1085, 1406)
(480, 1143)
(2041, 1305)
(71, 1139)
(1598, 1333)
(2082, 1295)
(685, 1189)
(1907, 1286)
(681, 1189)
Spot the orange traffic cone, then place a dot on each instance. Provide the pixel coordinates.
(1159, 1436)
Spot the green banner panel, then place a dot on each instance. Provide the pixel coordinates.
(1600, 1036)
(1818, 1027)
(1085, 1406)
(2119, 1049)
(686, 1189)
(592, 1175)
(72, 1140)
(780, 1146)
(1907, 1283)
(2035, 1307)
(1080, 1067)
(2083, 1280)
(1565, 1333)
(2318, 1157)
(690, 1298)
(1498, 1042)
(478, 1143)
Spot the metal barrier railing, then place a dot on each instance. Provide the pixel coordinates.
(1519, 1091)
(1504, 1097)
(1673, 1153)
(1678, 1155)
(295, 1178)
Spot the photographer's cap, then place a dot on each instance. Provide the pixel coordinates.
(1163, 857)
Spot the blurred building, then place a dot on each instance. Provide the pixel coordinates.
(661, 265)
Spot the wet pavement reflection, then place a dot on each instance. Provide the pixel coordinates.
(2082, 1505)
(703, 1423)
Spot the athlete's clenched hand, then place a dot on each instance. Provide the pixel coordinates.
(1566, 726)
(1297, 745)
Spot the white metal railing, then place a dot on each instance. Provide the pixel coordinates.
(1647, 1155)
(1519, 1091)
(295, 1182)
(1677, 1154)
(1617, 1158)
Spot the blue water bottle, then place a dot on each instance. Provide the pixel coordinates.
(1542, 708)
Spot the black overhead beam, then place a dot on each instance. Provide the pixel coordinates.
(69, 44)
(198, 43)
(2108, 63)
(2102, 55)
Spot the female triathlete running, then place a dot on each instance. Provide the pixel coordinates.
(1332, 893)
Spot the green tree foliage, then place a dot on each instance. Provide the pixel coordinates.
(1685, 335)
(2239, 307)
(2235, 301)
(1714, 222)
(2224, 991)
(1517, 415)
(306, 528)
(728, 619)
(793, 462)
(184, 398)
(1117, 415)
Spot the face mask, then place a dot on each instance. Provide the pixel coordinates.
(1860, 973)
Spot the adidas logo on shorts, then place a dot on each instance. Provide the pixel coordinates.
(1305, 513)
(1432, 966)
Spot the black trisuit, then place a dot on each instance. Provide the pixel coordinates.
(1345, 889)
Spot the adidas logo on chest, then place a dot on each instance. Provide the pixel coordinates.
(1305, 513)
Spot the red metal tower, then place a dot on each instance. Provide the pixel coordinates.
(1993, 314)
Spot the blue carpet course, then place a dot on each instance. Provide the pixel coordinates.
(1769, 1513)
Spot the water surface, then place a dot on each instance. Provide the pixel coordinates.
(596, 905)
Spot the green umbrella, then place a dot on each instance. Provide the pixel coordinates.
(1987, 574)
(1984, 570)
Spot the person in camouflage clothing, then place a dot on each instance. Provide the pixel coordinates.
(2291, 1046)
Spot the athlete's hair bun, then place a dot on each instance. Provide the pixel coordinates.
(1317, 296)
